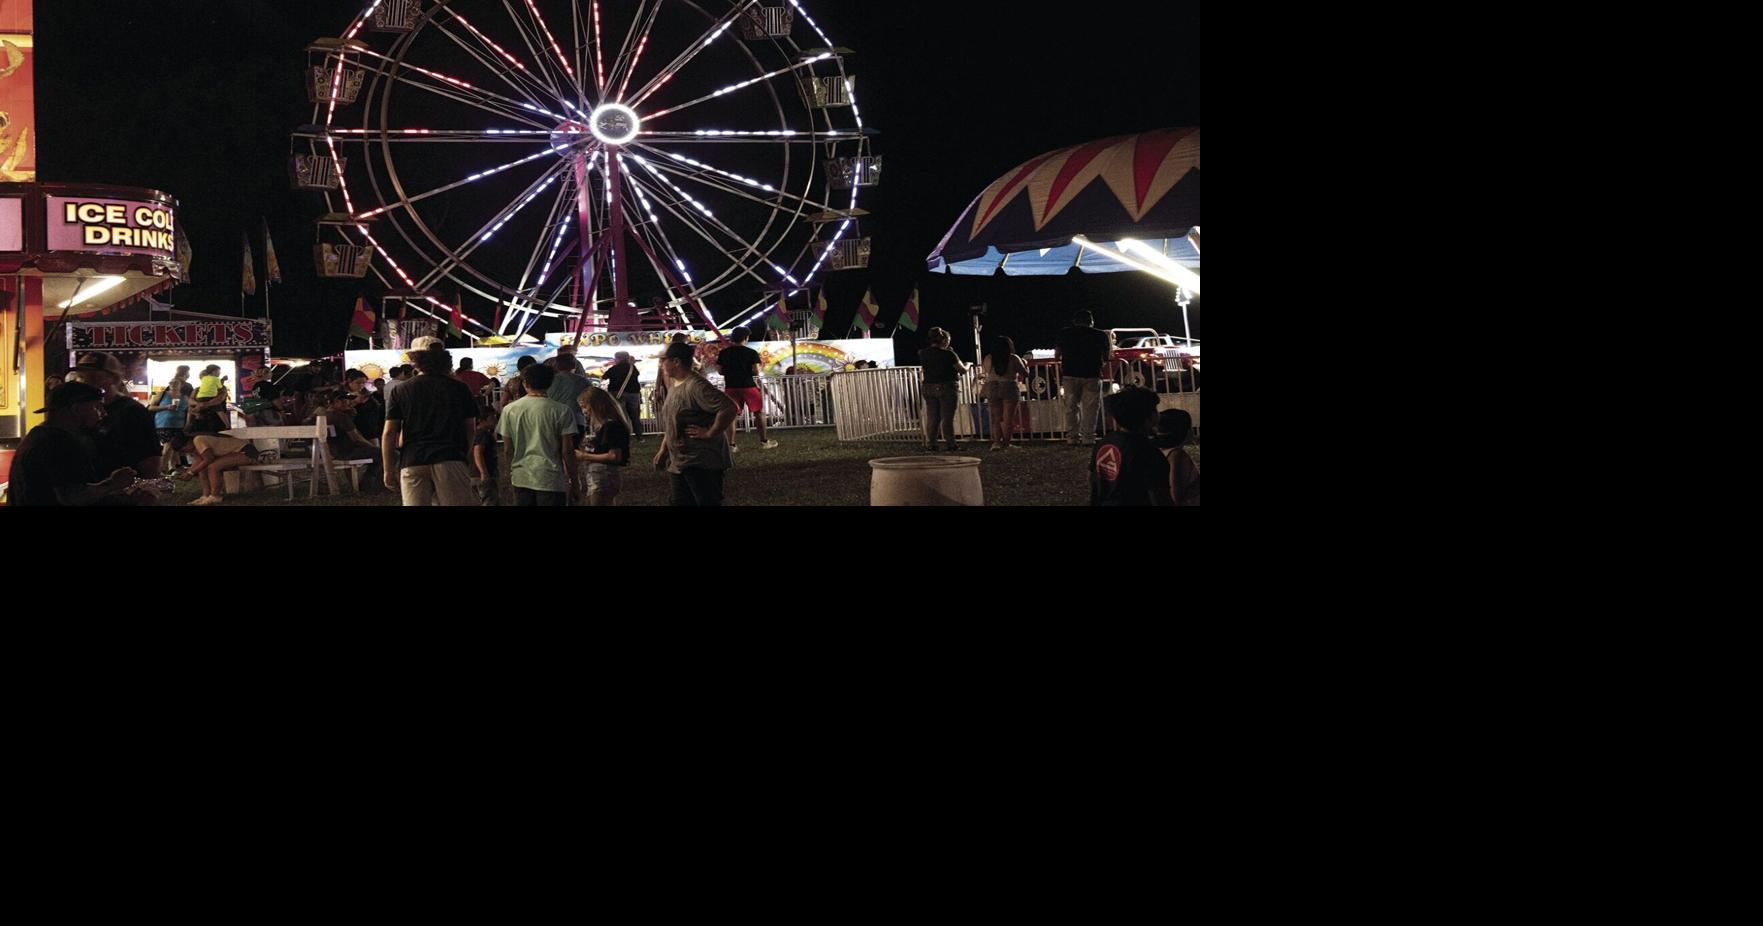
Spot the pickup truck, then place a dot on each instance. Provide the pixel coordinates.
(1140, 344)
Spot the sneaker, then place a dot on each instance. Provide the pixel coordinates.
(954, 448)
(733, 449)
(769, 445)
(997, 447)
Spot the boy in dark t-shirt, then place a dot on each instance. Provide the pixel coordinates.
(740, 379)
(483, 455)
(1128, 468)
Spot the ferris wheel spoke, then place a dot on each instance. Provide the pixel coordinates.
(541, 60)
(467, 93)
(457, 256)
(720, 137)
(599, 52)
(757, 253)
(700, 172)
(632, 55)
(438, 136)
(557, 220)
(574, 82)
(489, 52)
(697, 47)
(808, 63)
(412, 200)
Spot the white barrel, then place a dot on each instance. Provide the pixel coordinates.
(925, 480)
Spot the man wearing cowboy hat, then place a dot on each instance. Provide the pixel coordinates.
(127, 437)
(57, 463)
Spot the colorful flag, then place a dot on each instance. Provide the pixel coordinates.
(361, 323)
(248, 282)
(909, 315)
(454, 326)
(272, 269)
(866, 312)
(820, 309)
(779, 317)
(185, 255)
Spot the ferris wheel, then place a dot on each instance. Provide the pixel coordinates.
(617, 164)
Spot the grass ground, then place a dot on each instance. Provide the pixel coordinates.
(811, 467)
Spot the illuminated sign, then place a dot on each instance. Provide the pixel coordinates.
(240, 335)
(11, 224)
(111, 226)
(18, 104)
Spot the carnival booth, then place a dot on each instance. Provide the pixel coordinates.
(152, 350)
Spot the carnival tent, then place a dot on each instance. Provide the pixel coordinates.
(1131, 202)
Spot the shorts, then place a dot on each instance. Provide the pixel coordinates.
(220, 444)
(169, 435)
(604, 477)
(1002, 392)
(749, 397)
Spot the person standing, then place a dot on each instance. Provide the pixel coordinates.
(541, 443)
(516, 388)
(1002, 369)
(740, 379)
(694, 432)
(483, 455)
(57, 462)
(472, 379)
(607, 450)
(1082, 350)
(568, 384)
(1128, 468)
(626, 386)
(429, 430)
(170, 410)
(941, 370)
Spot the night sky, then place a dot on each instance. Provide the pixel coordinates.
(197, 98)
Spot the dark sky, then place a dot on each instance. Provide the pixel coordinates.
(197, 98)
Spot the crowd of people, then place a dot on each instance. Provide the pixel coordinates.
(437, 434)
(1140, 462)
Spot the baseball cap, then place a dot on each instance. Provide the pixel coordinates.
(67, 395)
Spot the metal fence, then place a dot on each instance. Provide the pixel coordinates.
(887, 405)
(790, 402)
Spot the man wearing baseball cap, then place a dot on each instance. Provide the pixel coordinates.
(57, 463)
(128, 436)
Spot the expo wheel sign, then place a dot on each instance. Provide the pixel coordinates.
(642, 160)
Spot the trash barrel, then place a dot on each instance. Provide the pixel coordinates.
(924, 481)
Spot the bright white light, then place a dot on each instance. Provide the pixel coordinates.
(1185, 278)
(1121, 255)
(614, 124)
(93, 288)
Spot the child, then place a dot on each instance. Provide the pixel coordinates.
(210, 385)
(1127, 468)
(483, 456)
(607, 449)
(1184, 477)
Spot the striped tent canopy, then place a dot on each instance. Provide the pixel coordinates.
(1144, 186)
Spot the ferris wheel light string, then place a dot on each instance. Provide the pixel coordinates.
(554, 46)
(599, 55)
(523, 204)
(699, 164)
(742, 85)
(487, 40)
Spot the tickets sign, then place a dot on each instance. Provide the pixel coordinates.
(225, 336)
(111, 226)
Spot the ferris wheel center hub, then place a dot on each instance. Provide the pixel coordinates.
(614, 124)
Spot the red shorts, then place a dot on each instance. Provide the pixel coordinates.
(749, 398)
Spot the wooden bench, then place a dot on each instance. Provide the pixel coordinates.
(319, 433)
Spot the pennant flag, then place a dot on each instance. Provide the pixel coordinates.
(866, 312)
(909, 315)
(248, 282)
(779, 318)
(361, 323)
(820, 309)
(184, 254)
(272, 269)
(454, 325)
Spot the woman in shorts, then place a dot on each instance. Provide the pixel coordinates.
(1002, 368)
(215, 454)
(607, 449)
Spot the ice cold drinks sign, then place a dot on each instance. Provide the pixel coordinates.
(111, 226)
